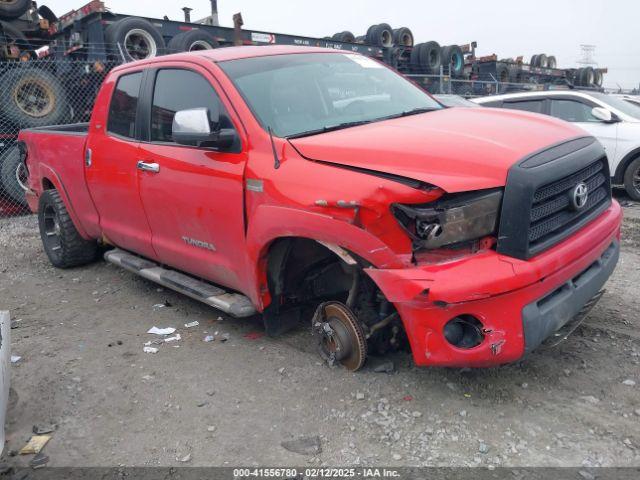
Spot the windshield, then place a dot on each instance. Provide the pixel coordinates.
(619, 104)
(303, 94)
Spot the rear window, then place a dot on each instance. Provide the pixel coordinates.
(534, 106)
(124, 103)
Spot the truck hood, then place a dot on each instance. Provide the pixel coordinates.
(456, 149)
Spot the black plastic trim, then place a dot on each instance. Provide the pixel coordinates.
(548, 314)
(536, 170)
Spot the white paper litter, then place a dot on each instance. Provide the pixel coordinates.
(209, 338)
(15, 358)
(195, 323)
(161, 331)
(172, 339)
(150, 350)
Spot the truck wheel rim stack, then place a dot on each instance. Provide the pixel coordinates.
(140, 44)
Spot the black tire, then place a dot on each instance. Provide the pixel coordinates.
(414, 59)
(543, 60)
(586, 76)
(33, 97)
(9, 163)
(361, 39)
(534, 61)
(380, 35)
(136, 37)
(402, 37)
(430, 57)
(552, 62)
(61, 241)
(453, 60)
(345, 36)
(191, 41)
(632, 179)
(516, 75)
(10, 9)
(597, 78)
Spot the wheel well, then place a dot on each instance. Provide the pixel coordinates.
(303, 273)
(618, 179)
(47, 184)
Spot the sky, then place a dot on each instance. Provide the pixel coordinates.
(506, 27)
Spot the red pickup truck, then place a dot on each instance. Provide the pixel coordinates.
(320, 186)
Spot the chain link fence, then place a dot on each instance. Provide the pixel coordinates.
(40, 93)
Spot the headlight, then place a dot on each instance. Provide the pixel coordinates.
(452, 219)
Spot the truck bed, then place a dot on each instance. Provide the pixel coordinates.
(56, 159)
(70, 129)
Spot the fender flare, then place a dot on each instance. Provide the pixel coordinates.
(269, 223)
(618, 178)
(48, 173)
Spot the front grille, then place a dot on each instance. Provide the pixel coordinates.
(538, 209)
(552, 209)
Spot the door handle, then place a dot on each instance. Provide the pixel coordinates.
(148, 167)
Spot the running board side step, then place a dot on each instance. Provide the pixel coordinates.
(234, 304)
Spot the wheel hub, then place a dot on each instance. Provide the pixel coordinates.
(339, 336)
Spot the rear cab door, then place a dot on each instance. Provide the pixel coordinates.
(194, 201)
(111, 161)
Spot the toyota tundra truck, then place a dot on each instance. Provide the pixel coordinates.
(319, 187)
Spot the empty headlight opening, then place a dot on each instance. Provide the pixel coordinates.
(452, 220)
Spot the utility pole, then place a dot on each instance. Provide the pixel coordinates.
(214, 13)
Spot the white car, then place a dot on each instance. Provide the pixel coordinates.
(612, 120)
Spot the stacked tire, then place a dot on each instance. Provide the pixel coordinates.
(588, 77)
(426, 58)
(134, 39)
(10, 9)
(382, 35)
(543, 60)
(194, 40)
(452, 60)
(12, 176)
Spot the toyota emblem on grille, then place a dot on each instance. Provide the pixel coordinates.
(579, 196)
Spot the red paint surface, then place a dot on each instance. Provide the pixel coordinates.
(200, 194)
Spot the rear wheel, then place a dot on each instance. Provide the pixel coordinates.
(62, 243)
(632, 179)
(12, 175)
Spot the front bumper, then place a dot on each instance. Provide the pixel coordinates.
(519, 302)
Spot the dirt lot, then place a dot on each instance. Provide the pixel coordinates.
(81, 333)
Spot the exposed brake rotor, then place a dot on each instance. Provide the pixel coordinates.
(339, 335)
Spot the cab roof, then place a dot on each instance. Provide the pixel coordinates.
(234, 53)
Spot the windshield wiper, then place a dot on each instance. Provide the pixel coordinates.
(330, 128)
(413, 111)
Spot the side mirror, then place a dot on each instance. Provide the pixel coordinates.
(604, 115)
(200, 127)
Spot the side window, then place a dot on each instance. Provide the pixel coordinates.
(124, 103)
(534, 106)
(176, 90)
(572, 111)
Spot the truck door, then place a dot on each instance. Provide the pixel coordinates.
(111, 168)
(193, 197)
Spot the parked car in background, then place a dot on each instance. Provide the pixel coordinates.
(449, 100)
(322, 188)
(614, 121)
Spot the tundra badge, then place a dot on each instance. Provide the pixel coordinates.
(198, 243)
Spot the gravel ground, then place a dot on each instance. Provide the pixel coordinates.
(81, 332)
